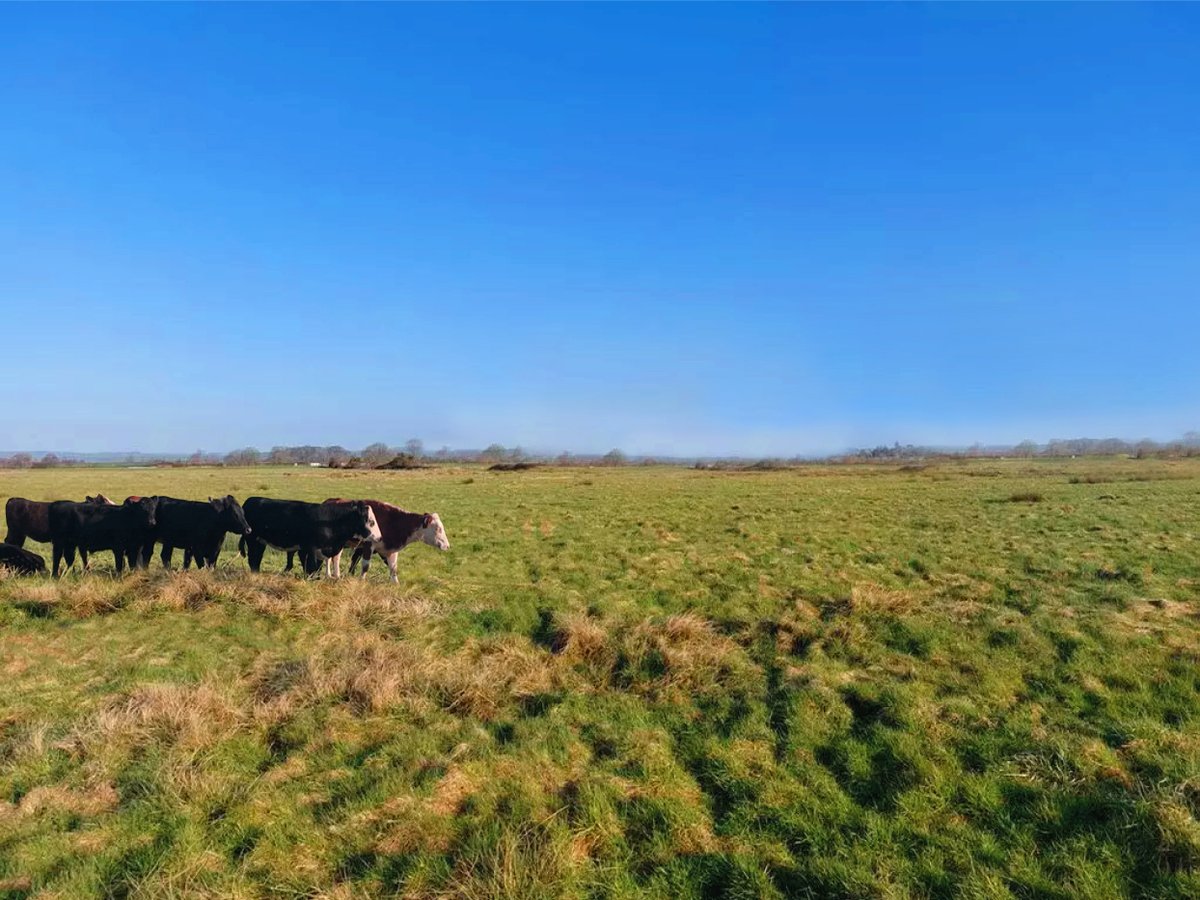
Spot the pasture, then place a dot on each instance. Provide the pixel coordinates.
(971, 679)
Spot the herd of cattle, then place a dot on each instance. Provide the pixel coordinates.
(317, 532)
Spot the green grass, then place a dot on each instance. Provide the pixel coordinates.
(966, 680)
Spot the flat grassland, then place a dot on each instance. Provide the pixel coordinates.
(964, 680)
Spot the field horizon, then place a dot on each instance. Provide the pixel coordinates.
(963, 679)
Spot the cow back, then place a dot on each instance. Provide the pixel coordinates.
(30, 518)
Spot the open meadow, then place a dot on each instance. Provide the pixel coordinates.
(971, 679)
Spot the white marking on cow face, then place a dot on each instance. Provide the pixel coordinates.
(372, 525)
(434, 534)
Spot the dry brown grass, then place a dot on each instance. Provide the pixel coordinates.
(87, 803)
(866, 596)
(581, 638)
(179, 716)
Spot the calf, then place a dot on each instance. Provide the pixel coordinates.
(398, 528)
(199, 528)
(88, 526)
(318, 531)
(31, 519)
(23, 562)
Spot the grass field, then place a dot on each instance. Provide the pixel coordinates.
(965, 680)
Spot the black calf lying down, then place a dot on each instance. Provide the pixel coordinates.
(23, 562)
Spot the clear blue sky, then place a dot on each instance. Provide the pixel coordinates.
(766, 229)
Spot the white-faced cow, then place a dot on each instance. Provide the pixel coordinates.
(398, 528)
(316, 531)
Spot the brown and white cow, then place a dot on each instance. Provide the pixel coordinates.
(397, 529)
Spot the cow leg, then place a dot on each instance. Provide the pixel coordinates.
(119, 561)
(254, 553)
(311, 561)
(15, 538)
(147, 552)
(83, 559)
(291, 559)
(187, 557)
(58, 554)
(391, 564)
(336, 559)
(367, 552)
(167, 552)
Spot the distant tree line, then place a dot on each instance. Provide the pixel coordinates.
(412, 454)
(1188, 445)
(26, 461)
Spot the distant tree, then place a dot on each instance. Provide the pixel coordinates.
(247, 456)
(21, 460)
(614, 457)
(517, 454)
(493, 453)
(443, 452)
(1026, 449)
(414, 447)
(48, 461)
(376, 454)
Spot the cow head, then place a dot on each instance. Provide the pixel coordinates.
(373, 532)
(144, 509)
(432, 532)
(370, 528)
(231, 514)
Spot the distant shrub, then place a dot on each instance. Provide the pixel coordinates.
(403, 461)
(614, 457)
(1026, 497)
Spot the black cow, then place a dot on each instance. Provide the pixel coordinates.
(31, 519)
(23, 562)
(198, 527)
(316, 530)
(87, 527)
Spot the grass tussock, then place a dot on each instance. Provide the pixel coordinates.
(179, 716)
(1026, 497)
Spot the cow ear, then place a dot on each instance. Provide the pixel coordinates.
(428, 520)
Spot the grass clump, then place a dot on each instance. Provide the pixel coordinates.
(1026, 497)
